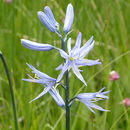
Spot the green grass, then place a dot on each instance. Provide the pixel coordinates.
(108, 21)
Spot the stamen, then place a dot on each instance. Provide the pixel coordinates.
(71, 58)
(35, 76)
(32, 80)
(57, 26)
(87, 60)
(80, 66)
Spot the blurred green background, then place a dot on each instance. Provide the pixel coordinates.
(108, 21)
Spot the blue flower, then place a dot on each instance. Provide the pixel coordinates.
(68, 18)
(76, 57)
(48, 82)
(48, 20)
(89, 98)
(36, 46)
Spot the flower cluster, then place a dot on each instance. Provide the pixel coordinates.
(74, 59)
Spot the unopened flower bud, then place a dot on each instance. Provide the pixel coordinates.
(126, 102)
(8, 1)
(113, 75)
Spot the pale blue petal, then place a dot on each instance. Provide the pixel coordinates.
(46, 21)
(69, 45)
(106, 92)
(68, 18)
(80, 70)
(87, 105)
(56, 96)
(86, 44)
(59, 67)
(40, 74)
(33, 80)
(101, 89)
(50, 15)
(42, 93)
(86, 62)
(63, 53)
(78, 42)
(86, 50)
(100, 95)
(90, 109)
(65, 67)
(36, 46)
(86, 96)
(29, 76)
(77, 73)
(96, 107)
(75, 50)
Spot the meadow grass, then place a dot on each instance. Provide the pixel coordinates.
(108, 21)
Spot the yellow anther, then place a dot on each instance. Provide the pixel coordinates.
(57, 26)
(77, 72)
(32, 80)
(35, 76)
(80, 66)
(100, 98)
(71, 58)
(77, 57)
(87, 60)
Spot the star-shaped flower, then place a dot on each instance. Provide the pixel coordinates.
(48, 82)
(76, 57)
(89, 98)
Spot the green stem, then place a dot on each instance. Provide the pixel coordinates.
(66, 94)
(62, 85)
(11, 90)
(72, 99)
(67, 101)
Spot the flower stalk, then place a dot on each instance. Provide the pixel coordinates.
(73, 59)
(11, 90)
(66, 94)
